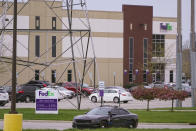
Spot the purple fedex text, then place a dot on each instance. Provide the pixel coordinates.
(48, 93)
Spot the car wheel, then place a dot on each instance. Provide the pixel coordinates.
(94, 99)
(116, 99)
(132, 124)
(2, 104)
(27, 99)
(103, 124)
(125, 101)
(70, 97)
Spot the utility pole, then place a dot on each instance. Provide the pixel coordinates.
(193, 54)
(179, 52)
(13, 97)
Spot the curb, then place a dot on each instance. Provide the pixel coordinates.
(56, 121)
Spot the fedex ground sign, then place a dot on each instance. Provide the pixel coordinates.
(46, 102)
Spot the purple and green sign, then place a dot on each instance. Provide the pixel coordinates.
(46, 102)
(165, 27)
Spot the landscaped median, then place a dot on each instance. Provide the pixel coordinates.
(155, 116)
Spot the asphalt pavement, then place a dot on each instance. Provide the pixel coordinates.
(87, 104)
(62, 125)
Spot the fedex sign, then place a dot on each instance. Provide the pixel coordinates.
(46, 101)
(165, 27)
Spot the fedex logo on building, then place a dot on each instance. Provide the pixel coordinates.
(165, 27)
(48, 93)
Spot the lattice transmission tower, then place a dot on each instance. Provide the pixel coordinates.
(76, 41)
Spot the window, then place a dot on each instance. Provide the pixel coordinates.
(36, 74)
(69, 75)
(37, 22)
(158, 70)
(106, 91)
(131, 26)
(145, 58)
(145, 26)
(37, 46)
(123, 112)
(145, 48)
(53, 46)
(54, 23)
(158, 46)
(112, 91)
(131, 42)
(171, 76)
(145, 77)
(53, 76)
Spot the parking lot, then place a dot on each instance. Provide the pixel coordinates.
(87, 104)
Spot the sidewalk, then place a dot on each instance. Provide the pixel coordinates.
(62, 125)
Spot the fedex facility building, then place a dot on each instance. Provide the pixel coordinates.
(130, 46)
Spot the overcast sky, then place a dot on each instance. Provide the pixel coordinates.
(162, 8)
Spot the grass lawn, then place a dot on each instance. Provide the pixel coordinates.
(118, 129)
(176, 108)
(144, 116)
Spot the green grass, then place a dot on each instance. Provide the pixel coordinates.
(118, 129)
(144, 116)
(176, 108)
(29, 114)
(165, 116)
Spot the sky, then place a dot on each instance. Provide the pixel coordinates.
(161, 8)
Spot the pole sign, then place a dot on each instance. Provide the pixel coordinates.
(101, 84)
(46, 102)
(101, 93)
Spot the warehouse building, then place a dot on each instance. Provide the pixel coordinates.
(130, 46)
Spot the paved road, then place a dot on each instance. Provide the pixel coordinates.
(62, 125)
(87, 104)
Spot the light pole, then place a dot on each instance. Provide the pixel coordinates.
(179, 52)
(193, 54)
(114, 74)
(136, 73)
(147, 71)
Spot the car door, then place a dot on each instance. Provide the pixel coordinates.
(123, 117)
(106, 95)
(112, 94)
(115, 119)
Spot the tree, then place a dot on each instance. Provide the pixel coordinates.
(149, 94)
(170, 94)
(142, 93)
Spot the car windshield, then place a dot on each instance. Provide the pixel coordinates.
(99, 111)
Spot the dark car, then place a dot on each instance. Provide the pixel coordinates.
(38, 83)
(106, 116)
(26, 93)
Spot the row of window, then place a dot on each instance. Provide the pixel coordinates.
(158, 50)
(131, 58)
(37, 22)
(53, 75)
(37, 46)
